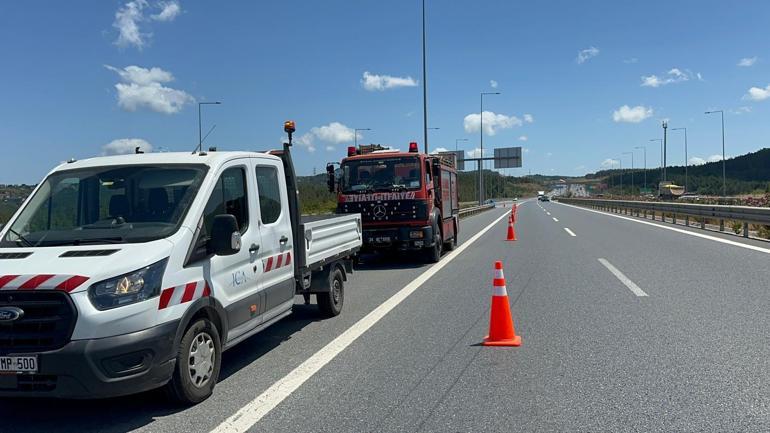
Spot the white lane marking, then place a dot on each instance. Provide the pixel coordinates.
(623, 279)
(255, 410)
(699, 235)
(548, 213)
(569, 231)
(554, 219)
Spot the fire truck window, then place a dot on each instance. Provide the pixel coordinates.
(427, 172)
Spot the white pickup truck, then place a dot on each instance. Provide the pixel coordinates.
(121, 274)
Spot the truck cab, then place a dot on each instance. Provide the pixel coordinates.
(125, 273)
(407, 200)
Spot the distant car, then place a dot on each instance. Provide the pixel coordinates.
(544, 198)
(689, 197)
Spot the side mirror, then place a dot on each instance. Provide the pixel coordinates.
(331, 180)
(225, 237)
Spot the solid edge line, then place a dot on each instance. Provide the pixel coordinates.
(623, 279)
(245, 418)
(678, 230)
(571, 233)
(555, 220)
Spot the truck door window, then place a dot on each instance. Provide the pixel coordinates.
(228, 197)
(269, 194)
(427, 173)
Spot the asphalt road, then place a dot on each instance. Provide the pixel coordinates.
(691, 355)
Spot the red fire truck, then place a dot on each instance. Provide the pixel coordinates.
(407, 200)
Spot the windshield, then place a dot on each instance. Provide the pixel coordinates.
(105, 205)
(387, 174)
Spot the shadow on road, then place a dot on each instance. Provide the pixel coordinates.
(133, 412)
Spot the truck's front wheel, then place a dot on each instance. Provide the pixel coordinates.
(330, 303)
(199, 358)
(434, 253)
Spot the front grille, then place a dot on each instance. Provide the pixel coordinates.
(47, 324)
(387, 210)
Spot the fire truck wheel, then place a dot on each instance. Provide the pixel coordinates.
(435, 251)
(197, 364)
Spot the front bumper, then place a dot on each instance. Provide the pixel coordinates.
(105, 367)
(398, 238)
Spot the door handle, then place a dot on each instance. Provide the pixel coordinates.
(283, 240)
(253, 248)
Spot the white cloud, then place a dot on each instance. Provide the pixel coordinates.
(758, 93)
(525, 150)
(372, 82)
(584, 55)
(492, 122)
(440, 149)
(334, 133)
(628, 114)
(630, 61)
(127, 20)
(609, 163)
(125, 146)
(130, 15)
(528, 118)
(330, 148)
(674, 75)
(549, 154)
(747, 61)
(696, 160)
(476, 152)
(169, 11)
(523, 138)
(493, 84)
(143, 88)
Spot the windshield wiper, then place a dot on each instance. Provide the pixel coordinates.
(21, 239)
(88, 241)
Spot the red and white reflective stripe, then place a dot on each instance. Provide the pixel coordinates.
(277, 261)
(66, 283)
(184, 293)
(499, 284)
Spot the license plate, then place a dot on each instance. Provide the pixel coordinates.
(18, 364)
(382, 239)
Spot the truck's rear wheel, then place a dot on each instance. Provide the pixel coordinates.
(434, 254)
(330, 303)
(199, 358)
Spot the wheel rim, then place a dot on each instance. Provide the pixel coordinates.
(201, 359)
(336, 291)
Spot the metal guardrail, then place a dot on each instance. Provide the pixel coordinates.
(744, 214)
(475, 209)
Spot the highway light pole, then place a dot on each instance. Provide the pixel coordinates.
(632, 170)
(645, 163)
(424, 85)
(355, 135)
(724, 180)
(665, 128)
(481, 146)
(200, 123)
(685, 156)
(459, 139)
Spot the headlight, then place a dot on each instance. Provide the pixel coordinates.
(128, 288)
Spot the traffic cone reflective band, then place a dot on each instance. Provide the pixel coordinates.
(512, 217)
(501, 332)
(511, 232)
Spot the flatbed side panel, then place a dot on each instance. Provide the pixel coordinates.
(331, 237)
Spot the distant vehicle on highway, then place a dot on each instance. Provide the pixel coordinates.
(135, 272)
(543, 198)
(689, 197)
(407, 200)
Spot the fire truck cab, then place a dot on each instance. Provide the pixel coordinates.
(407, 200)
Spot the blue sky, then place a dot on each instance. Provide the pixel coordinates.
(79, 75)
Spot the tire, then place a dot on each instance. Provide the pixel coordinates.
(330, 304)
(434, 252)
(187, 385)
(451, 244)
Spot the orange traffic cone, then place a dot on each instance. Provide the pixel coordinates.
(501, 332)
(512, 217)
(511, 231)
